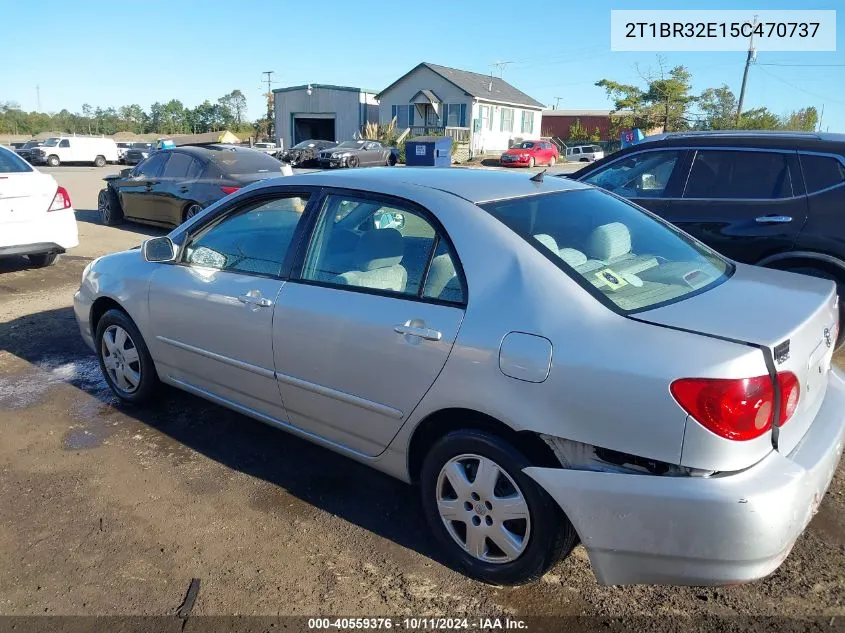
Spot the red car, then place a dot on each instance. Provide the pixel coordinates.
(530, 153)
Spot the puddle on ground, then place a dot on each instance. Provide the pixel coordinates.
(32, 386)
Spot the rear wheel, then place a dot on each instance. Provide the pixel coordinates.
(493, 521)
(100, 161)
(108, 204)
(552, 161)
(391, 160)
(43, 260)
(53, 160)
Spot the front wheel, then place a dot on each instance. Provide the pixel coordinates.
(352, 161)
(43, 259)
(125, 361)
(53, 161)
(531, 162)
(552, 161)
(494, 522)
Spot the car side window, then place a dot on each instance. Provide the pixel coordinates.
(739, 175)
(180, 166)
(640, 175)
(151, 167)
(64, 143)
(367, 243)
(254, 239)
(822, 172)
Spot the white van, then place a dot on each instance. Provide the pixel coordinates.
(75, 149)
(584, 153)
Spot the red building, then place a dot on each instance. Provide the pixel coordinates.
(557, 122)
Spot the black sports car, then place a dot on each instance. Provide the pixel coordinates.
(172, 185)
(304, 154)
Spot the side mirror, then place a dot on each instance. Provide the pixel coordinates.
(159, 250)
(124, 173)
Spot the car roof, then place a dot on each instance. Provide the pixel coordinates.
(474, 185)
(209, 151)
(775, 139)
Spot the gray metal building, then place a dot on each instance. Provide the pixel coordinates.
(320, 111)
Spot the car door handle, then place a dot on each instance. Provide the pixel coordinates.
(774, 219)
(255, 300)
(184, 189)
(423, 332)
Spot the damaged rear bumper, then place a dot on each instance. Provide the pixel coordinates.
(702, 531)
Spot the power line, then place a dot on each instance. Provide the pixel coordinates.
(807, 65)
(804, 90)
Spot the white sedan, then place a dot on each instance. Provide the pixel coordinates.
(36, 216)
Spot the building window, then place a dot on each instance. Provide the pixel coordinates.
(506, 124)
(486, 118)
(527, 122)
(400, 113)
(455, 114)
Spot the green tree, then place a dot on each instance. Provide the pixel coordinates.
(234, 105)
(805, 120)
(578, 132)
(718, 109)
(759, 119)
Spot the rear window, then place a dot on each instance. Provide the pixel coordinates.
(822, 172)
(11, 163)
(245, 162)
(625, 257)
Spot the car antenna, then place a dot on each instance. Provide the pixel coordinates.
(538, 177)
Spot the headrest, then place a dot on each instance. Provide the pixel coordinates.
(548, 241)
(379, 248)
(610, 241)
(572, 257)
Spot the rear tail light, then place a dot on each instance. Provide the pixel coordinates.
(60, 201)
(227, 189)
(737, 408)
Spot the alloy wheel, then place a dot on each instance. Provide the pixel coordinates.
(193, 210)
(104, 207)
(483, 509)
(121, 359)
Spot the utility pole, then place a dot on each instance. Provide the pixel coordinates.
(269, 74)
(821, 116)
(752, 56)
(38, 96)
(557, 101)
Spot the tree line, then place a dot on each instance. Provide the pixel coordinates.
(665, 99)
(227, 113)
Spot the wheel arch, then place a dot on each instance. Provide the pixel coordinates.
(102, 305)
(809, 259)
(439, 423)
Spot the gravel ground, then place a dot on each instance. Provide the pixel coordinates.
(111, 509)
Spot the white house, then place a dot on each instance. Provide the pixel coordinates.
(484, 111)
(321, 111)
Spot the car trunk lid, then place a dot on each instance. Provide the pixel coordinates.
(25, 196)
(791, 317)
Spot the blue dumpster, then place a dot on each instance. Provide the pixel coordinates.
(428, 151)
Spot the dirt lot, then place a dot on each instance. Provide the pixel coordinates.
(109, 509)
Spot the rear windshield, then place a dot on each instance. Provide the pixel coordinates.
(245, 162)
(627, 258)
(11, 163)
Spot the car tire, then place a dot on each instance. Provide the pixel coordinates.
(53, 161)
(391, 160)
(100, 161)
(125, 361)
(531, 162)
(530, 544)
(584, 160)
(352, 161)
(190, 211)
(108, 204)
(552, 161)
(42, 260)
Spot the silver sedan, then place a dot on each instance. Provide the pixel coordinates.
(547, 361)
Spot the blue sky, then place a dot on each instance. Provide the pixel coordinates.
(195, 50)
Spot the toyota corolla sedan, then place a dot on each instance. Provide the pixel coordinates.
(548, 361)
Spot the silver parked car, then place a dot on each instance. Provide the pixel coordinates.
(547, 360)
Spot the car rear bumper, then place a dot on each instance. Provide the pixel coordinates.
(702, 531)
(54, 232)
